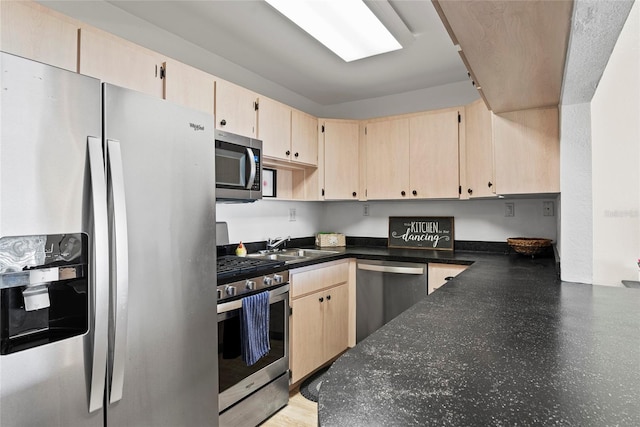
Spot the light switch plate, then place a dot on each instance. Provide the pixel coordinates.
(509, 209)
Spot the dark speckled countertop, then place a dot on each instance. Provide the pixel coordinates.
(504, 343)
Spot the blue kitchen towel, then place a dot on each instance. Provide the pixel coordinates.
(255, 327)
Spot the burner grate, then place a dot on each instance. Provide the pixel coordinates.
(229, 266)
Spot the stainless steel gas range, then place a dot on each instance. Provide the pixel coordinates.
(250, 394)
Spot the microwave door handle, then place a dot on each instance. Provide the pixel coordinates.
(252, 168)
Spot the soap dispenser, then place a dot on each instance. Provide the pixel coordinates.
(241, 250)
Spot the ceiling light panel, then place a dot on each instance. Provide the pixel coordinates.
(346, 27)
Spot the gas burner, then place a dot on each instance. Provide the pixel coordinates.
(230, 266)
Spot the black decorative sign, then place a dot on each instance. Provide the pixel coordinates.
(416, 232)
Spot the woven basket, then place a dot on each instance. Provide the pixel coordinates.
(528, 245)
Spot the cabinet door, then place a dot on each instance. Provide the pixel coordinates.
(189, 86)
(527, 151)
(341, 160)
(434, 162)
(274, 129)
(119, 62)
(387, 159)
(304, 138)
(235, 109)
(306, 335)
(336, 321)
(478, 152)
(439, 272)
(36, 32)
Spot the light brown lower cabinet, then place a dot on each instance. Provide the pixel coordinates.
(319, 323)
(439, 272)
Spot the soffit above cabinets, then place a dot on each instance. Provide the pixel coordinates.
(514, 50)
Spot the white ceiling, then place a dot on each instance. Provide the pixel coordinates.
(254, 36)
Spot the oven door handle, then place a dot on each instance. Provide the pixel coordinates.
(252, 168)
(273, 297)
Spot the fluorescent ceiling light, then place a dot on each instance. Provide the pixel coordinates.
(347, 27)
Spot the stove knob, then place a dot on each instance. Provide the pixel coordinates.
(267, 281)
(250, 284)
(277, 278)
(219, 293)
(230, 290)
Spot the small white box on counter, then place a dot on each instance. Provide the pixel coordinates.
(330, 240)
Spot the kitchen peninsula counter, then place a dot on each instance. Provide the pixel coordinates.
(504, 343)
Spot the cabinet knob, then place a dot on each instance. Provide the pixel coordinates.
(414, 192)
(223, 122)
(470, 191)
(288, 152)
(296, 154)
(354, 194)
(320, 299)
(490, 184)
(328, 297)
(448, 278)
(403, 193)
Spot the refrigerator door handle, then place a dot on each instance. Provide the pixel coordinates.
(252, 168)
(120, 277)
(99, 277)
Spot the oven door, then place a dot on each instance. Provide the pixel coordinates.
(236, 379)
(238, 170)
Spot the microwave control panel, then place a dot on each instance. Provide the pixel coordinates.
(257, 181)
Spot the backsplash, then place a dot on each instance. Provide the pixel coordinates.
(475, 220)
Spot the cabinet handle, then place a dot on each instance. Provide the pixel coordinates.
(354, 194)
(414, 192)
(223, 122)
(470, 191)
(296, 154)
(320, 299)
(328, 297)
(448, 278)
(403, 193)
(288, 152)
(490, 184)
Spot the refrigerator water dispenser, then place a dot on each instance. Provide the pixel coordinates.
(43, 290)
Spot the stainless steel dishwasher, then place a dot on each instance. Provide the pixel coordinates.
(384, 289)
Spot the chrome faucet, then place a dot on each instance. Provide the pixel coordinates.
(273, 244)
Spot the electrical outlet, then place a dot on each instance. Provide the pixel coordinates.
(292, 214)
(509, 209)
(365, 210)
(547, 208)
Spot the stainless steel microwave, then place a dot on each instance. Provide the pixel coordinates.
(238, 167)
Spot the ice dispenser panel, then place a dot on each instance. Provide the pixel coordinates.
(43, 289)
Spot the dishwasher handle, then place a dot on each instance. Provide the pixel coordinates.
(391, 269)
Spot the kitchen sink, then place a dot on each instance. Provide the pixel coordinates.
(309, 253)
(292, 255)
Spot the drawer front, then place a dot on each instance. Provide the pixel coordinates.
(308, 280)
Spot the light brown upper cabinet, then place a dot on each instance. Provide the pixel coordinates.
(120, 62)
(476, 152)
(340, 147)
(36, 32)
(527, 151)
(387, 147)
(433, 149)
(287, 134)
(514, 50)
(304, 138)
(236, 109)
(413, 156)
(274, 128)
(189, 86)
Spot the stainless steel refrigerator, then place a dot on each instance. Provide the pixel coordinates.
(107, 255)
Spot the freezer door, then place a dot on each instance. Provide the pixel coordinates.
(167, 161)
(47, 117)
